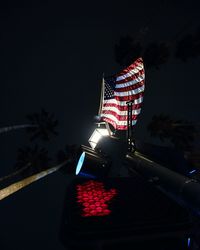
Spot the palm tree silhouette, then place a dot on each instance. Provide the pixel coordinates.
(46, 124)
(41, 125)
(34, 158)
(129, 49)
(189, 46)
(156, 53)
(181, 133)
(29, 161)
(35, 162)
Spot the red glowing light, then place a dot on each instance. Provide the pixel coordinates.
(94, 198)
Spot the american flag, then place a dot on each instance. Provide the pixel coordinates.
(118, 90)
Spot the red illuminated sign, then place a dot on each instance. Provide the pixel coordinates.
(94, 199)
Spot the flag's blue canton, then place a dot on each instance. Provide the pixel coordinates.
(109, 88)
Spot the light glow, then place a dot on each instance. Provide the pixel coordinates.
(94, 199)
(97, 135)
(80, 163)
(188, 242)
(192, 171)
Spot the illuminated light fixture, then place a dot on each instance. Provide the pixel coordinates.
(91, 164)
(101, 131)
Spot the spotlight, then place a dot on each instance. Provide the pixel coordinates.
(92, 164)
(101, 131)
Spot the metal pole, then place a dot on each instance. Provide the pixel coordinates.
(184, 190)
(9, 190)
(102, 96)
(129, 127)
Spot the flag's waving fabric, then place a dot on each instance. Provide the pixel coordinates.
(126, 86)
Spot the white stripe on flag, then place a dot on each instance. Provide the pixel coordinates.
(130, 73)
(130, 83)
(131, 92)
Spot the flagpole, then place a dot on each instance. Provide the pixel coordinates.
(102, 95)
(130, 140)
(101, 104)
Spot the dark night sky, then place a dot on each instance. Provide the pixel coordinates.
(53, 55)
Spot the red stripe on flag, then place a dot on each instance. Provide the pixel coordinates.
(137, 63)
(118, 127)
(129, 98)
(121, 108)
(119, 117)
